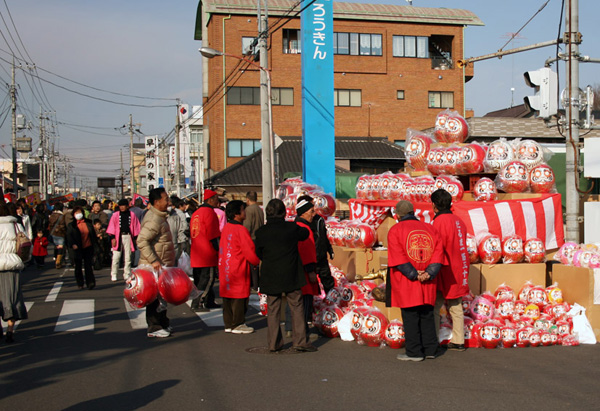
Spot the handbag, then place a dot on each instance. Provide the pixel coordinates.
(23, 244)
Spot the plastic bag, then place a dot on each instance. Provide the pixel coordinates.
(581, 325)
(417, 148)
(513, 178)
(175, 286)
(185, 263)
(345, 327)
(499, 154)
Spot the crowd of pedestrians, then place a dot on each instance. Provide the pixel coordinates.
(245, 252)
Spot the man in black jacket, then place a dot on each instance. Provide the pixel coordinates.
(281, 272)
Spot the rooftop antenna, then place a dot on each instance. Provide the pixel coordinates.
(409, 2)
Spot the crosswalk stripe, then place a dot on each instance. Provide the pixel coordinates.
(28, 305)
(254, 302)
(54, 292)
(214, 318)
(137, 316)
(76, 315)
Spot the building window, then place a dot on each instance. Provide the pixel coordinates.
(282, 96)
(347, 98)
(248, 45)
(357, 44)
(410, 46)
(196, 142)
(401, 143)
(242, 148)
(441, 99)
(250, 96)
(400, 94)
(291, 41)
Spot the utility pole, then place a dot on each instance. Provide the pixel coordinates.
(572, 38)
(177, 154)
(131, 171)
(13, 98)
(42, 162)
(122, 176)
(265, 109)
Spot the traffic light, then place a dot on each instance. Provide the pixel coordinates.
(544, 102)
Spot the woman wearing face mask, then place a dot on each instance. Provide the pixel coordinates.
(82, 239)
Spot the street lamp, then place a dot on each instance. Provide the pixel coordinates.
(267, 142)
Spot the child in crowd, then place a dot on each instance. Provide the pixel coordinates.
(100, 255)
(40, 248)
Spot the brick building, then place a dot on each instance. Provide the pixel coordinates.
(394, 67)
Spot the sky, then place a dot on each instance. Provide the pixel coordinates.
(146, 48)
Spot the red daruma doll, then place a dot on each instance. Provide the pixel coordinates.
(457, 128)
(417, 149)
(512, 249)
(470, 159)
(513, 178)
(485, 190)
(542, 179)
(490, 249)
(534, 251)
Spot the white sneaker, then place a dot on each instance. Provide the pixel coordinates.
(159, 334)
(228, 330)
(242, 329)
(113, 278)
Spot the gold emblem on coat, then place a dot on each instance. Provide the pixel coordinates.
(419, 246)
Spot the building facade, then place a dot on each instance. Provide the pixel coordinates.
(394, 68)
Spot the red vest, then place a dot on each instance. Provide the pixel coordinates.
(308, 255)
(236, 252)
(204, 227)
(411, 241)
(453, 280)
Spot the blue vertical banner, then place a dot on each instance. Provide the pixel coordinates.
(318, 122)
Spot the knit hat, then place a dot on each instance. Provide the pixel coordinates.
(123, 202)
(303, 206)
(403, 208)
(208, 194)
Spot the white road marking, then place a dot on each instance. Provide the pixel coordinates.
(54, 292)
(137, 316)
(76, 315)
(214, 318)
(28, 305)
(254, 301)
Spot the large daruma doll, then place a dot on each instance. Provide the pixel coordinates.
(373, 328)
(141, 288)
(485, 190)
(417, 149)
(542, 179)
(174, 285)
(490, 249)
(499, 154)
(471, 159)
(513, 178)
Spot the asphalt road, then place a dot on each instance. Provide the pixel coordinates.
(114, 366)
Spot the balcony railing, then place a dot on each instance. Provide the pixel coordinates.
(441, 63)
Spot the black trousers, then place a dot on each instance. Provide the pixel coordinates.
(84, 257)
(419, 331)
(156, 320)
(324, 272)
(204, 279)
(234, 311)
(39, 259)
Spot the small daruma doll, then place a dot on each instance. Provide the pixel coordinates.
(373, 328)
(534, 251)
(471, 159)
(513, 178)
(485, 190)
(394, 334)
(512, 249)
(490, 249)
(530, 153)
(472, 249)
(499, 154)
(542, 179)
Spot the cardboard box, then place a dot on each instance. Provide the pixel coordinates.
(354, 261)
(514, 275)
(383, 229)
(475, 279)
(391, 313)
(577, 285)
